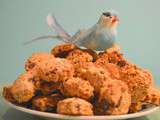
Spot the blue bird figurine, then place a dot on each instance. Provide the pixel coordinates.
(99, 37)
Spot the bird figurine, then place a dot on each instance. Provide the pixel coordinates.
(99, 37)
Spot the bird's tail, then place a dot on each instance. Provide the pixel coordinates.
(44, 37)
(52, 23)
(61, 33)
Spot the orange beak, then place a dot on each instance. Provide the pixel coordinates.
(115, 19)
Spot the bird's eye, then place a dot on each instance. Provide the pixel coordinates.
(107, 14)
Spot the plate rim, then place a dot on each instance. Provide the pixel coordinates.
(95, 117)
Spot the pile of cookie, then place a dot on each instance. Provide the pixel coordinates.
(75, 81)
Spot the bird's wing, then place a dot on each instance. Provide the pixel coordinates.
(52, 22)
(104, 39)
(95, 38)
(78, 35)
(82, 35)
(43, 37)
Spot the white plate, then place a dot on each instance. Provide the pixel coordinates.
(52, 116)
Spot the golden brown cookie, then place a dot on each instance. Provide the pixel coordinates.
(114, 57)
(96, 75)
(78, 56)
(46, 103)
(74, 106)
(23, 88)
(8, 95)
(77, 87)
(48, 88)
(135, 107)
(63, 50)
(56, 70)
(116, 94)
(153, 96)
(37, 58)
(112, 69)
(138, 81)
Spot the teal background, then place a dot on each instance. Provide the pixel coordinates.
(22, 20)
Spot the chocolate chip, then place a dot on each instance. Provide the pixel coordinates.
(121, 63)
